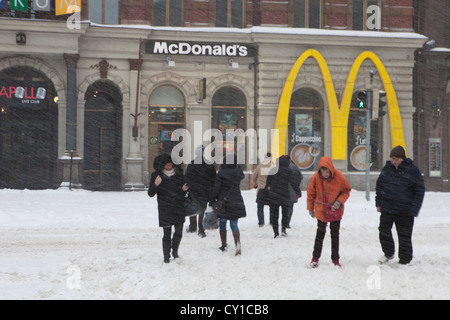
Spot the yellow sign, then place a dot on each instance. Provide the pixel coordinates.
(338, 115)
(67, 7)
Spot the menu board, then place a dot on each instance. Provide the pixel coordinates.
(435, 157)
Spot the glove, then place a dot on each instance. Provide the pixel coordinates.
(336, 205)
(311, 213)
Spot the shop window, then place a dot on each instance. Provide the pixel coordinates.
(168, 13)
(307, 13)
(104, 11)
(360, 15)
(230, 13)
(356, 144)
(166, 114)
(229, 112)
(305, 130)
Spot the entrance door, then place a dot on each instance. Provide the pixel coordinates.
(102, 143)
(166, 114)
(28, 130)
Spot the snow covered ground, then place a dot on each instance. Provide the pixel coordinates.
(60, 244)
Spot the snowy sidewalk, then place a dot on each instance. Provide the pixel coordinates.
(107, 245)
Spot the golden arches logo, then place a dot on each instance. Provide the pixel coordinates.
(338, 115)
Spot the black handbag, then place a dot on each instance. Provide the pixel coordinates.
(191, 206)
(219, 205)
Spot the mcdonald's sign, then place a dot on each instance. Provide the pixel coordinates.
(338, 115)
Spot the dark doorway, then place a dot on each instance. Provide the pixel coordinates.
(28, 130)
(103, 136)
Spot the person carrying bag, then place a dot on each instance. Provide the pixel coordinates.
(327, 192)
(227, 189)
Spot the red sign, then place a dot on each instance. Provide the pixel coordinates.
(10, 92)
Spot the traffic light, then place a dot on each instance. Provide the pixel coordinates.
(379, 101)
(436, 108)
(361, 100)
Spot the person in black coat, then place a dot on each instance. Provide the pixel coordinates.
(167, 182)
(294, 197)
(400, 192)
(279, 195)
(227, 186)
(200, 177)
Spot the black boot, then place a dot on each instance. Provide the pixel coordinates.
(275, 231)
(237, 241)
(223, 239)
(176, 240)
(166, 249)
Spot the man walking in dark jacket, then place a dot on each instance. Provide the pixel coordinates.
(200, 177)
(399, 196)
(279, 195)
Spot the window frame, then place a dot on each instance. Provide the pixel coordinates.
(104, 9)
(306, 13)
(167, 10)
(229, 19)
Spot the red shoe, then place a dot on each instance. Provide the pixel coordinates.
(314, 263)
(336, 263)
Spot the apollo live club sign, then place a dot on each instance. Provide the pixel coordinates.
(61, 6)
(22, 94)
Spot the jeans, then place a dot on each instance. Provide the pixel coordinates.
(260, 213)
(233, 224)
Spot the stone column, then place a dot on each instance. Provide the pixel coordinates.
(71, 162)
(134, 159)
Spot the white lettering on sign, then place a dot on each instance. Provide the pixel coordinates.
(185, 48)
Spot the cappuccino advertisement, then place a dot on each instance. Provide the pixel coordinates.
(357, 143)
(306, 141)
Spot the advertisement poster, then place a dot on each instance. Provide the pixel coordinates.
(358, 145)
(306, 150)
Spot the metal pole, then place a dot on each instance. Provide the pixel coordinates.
(71, 164)
(368, 133)
(369, 98)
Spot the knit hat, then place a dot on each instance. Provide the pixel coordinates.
(398, 152)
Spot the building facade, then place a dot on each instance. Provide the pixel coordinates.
(432, 100)
(81, 106)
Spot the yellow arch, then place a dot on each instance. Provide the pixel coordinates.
(338, 115)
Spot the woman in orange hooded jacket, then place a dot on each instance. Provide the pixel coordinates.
(327, 188)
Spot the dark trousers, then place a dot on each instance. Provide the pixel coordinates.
(275, 214)
(320, 235)
(171, 243)
(404, 226)
(193, 219)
